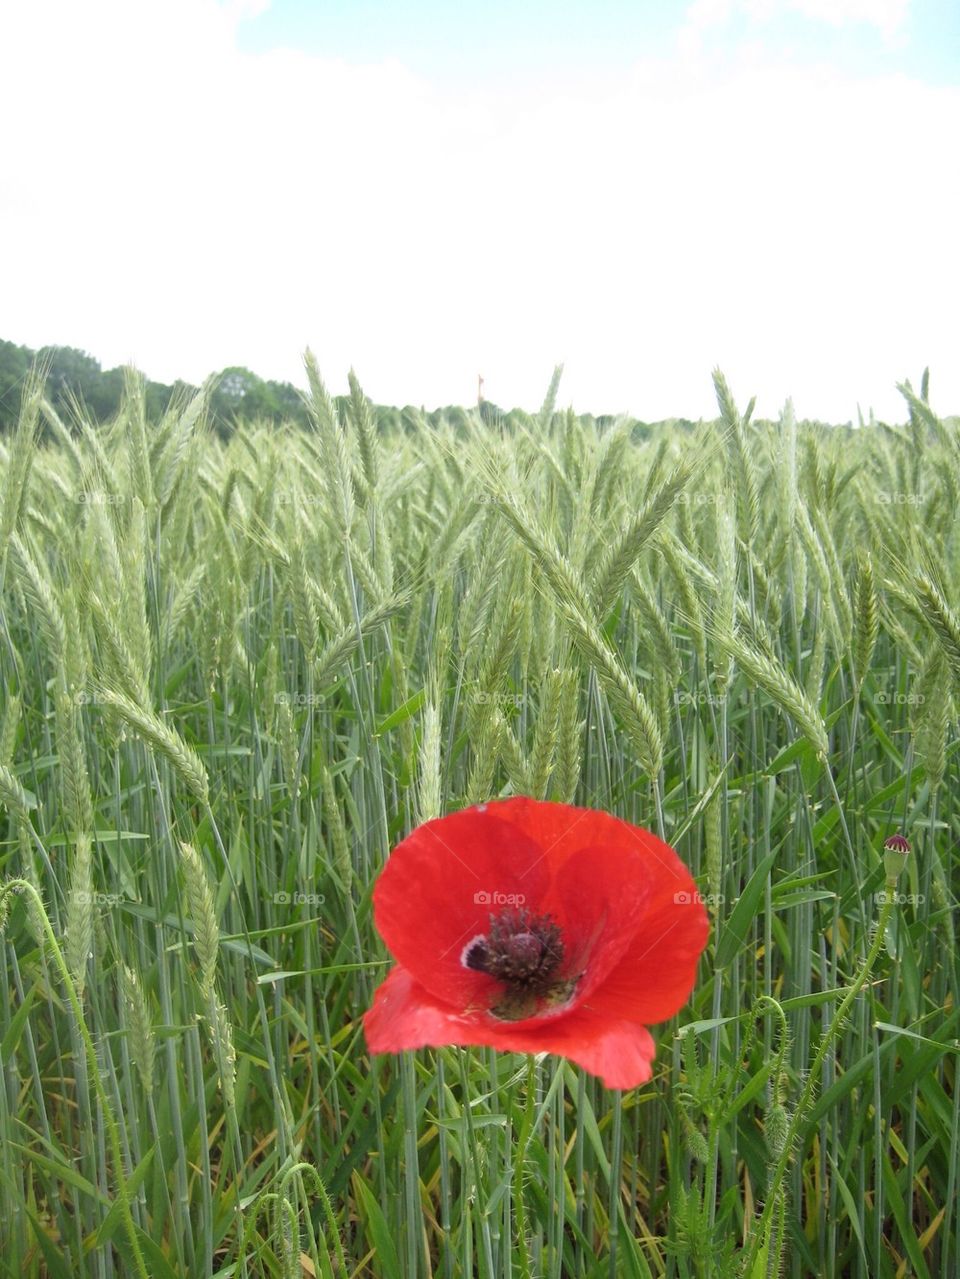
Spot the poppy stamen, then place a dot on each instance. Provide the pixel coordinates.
(524, 952)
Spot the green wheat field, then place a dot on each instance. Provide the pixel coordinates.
(234, 673)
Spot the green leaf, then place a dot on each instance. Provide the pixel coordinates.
(798, 750)
(57, 1265)
(742, 915)
(905, 1226)
(701, 1027)
(402, 713)
(379, 1230)
(910, 1034)
(759, 1268)
(751, 1089)
(788, 900)
(853, 1213)
(589, 1121)
(8, 1045)
(112, 1224)
(157, 1264)
(61, 1170)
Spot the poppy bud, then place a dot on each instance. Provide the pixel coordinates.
(896, 850)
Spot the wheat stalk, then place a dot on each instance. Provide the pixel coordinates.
(163, 739)
(203, 916)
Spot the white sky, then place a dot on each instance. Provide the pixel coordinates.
(170, 200)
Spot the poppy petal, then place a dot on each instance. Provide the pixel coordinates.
(611, 894)
(561, 830)
(404, 1016)
(597, 900)
(655, 975)
(438, 889)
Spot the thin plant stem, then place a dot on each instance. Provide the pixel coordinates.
(93, 1065)
(806, 1097)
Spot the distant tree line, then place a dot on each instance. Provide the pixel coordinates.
(75, 380)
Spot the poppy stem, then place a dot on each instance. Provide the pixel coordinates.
(616, 1159)
(470, 1139)
(803, 1105)
(520, 1209)
(411, 1168)
(445, 1180)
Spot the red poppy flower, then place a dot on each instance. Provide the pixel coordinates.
(535, 927)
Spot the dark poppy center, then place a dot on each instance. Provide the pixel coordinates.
(522, 957)
(524, 952)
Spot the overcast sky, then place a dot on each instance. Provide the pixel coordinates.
(640, 190)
